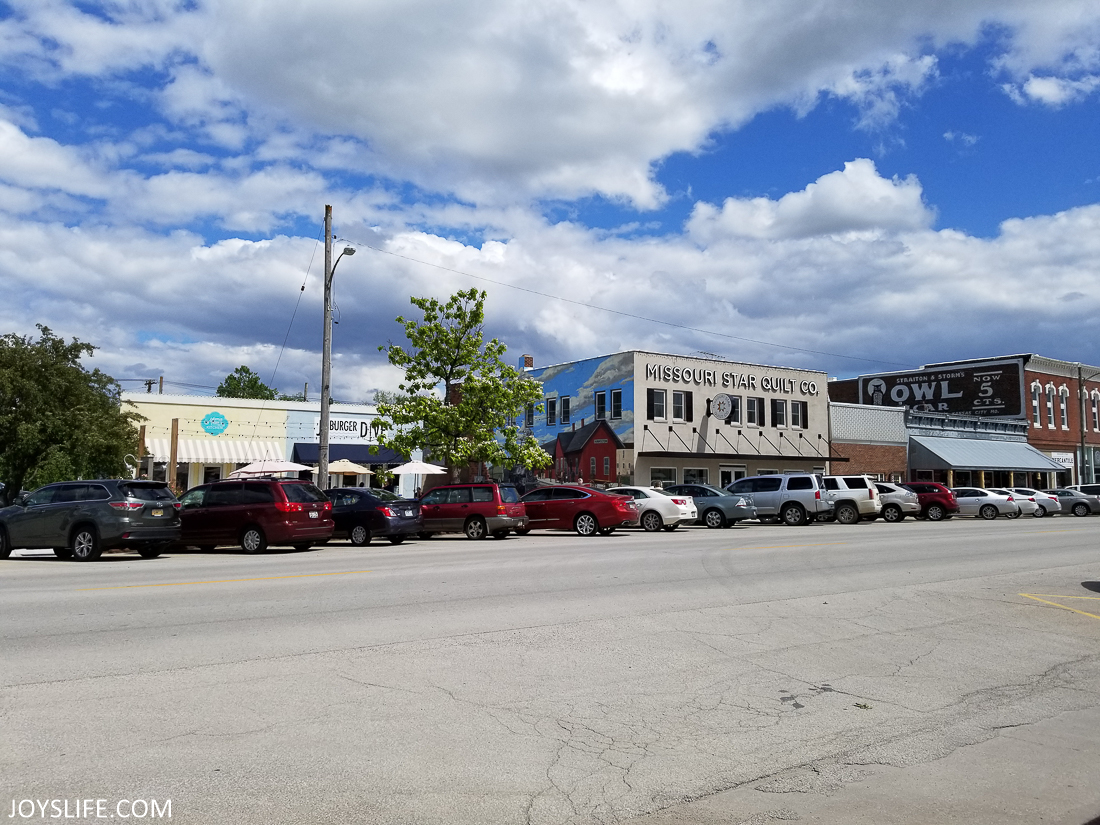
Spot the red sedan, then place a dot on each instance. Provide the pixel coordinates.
(586, 510)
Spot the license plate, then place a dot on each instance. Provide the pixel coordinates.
(408, 513)
(158, 512)
(314, 514)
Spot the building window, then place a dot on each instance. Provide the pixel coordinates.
(616, 404)
(1063, 398)
(592, 468)
(677, 406)
(1050, 406)
(659, 476)
(1036, 390)
(530, 417)
(735, 407)
(696, 475)
(601, 405)
(606, 467)
(1095, 411)
(800, 414)
(565, 409)
(754, 411)
(551, 411)
(779, 412)
(655, 405)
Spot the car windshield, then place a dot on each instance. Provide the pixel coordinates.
(302, 493)
(147, 490)
(385, 495)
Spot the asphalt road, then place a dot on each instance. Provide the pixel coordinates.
(868, 674)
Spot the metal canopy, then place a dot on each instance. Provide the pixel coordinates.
(930, 453)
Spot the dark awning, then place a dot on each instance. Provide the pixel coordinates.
(931, 453)
(359, 453)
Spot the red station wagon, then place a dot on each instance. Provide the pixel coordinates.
(477, 510)
(254, 513)
(584, 509)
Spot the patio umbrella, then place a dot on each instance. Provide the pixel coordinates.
(268, 467)
(345, 467)
(419, 468)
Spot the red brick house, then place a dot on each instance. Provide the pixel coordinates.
(589, 452)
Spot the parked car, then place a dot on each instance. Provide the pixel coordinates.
(362, 514)
(937, 502)
(1027, 505)
(854, 497)
(1087, 489)
(897, 501)
(584, 509)
(977, 501)
(255, 514)
(478, 510)
(659, 508)
(81, 519)
(1076, 502)
(1048, 503)
(717, 507)
(796, 498)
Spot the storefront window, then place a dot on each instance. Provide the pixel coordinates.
(659, 476)
(696, 475)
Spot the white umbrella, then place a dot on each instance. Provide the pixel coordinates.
(261, 468)
(345, 467)
(419, 468)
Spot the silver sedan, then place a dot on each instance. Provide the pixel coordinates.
(1048, 503)
(976, 501)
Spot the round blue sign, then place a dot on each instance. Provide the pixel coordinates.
(215, 423)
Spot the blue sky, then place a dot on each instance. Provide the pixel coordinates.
(842, 186)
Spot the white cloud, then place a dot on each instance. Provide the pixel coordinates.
(1052, 91)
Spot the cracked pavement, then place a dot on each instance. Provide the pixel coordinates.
(752, 675)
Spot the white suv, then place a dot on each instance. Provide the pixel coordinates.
(795, 498)
(853, 498)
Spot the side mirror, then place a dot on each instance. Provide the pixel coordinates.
(21, 499)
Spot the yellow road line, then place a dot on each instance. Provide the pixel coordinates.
(785, 546)
(223, 581)
(1060, 596)
(1055, 604)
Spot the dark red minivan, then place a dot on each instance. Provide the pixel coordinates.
(255, 513)
(584, 509)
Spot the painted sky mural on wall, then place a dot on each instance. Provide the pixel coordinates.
(581, 380)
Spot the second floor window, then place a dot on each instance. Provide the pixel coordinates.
(530, 417)
(1064, 399)
(754, 411)
(616, 404)
(601, 405)
(1050, 407)
(565, 409)
(551, 411)
(1035, 405)
(779, 412)
(799, 415)
(655, 404)
(1095, 414)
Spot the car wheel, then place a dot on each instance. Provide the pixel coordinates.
(651, 521)
(793, 515)
(586, 524)
(85, 544)
(360, 535)
(1080, 509)
(847, 514)
(475, 528)
(670, 527)
(988, 512)
(1040, 511)
(63, 552)
(5, 545)
(150, 552)
(892, 513)
(714, 518)
(1013, 515)
(424, 535)
(253, 540)
(522, 531)
(395, 540)
(935, 512)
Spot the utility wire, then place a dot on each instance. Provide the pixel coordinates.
(626, 314)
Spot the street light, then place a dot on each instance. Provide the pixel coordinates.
(326, 351)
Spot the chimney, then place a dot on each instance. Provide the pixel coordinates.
(527, 362)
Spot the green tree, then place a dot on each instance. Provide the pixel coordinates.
(244, 383)
(459, 402)
(58, 420)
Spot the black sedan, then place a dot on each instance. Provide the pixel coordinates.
(363, 513)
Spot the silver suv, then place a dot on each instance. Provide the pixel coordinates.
(796, 498)
(853, 498)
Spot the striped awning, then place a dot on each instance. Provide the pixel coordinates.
(216, 450)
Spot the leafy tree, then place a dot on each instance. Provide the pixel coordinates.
(244, 383)
(459, 402)
(58, 420)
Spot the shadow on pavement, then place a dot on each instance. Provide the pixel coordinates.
(1095, 588)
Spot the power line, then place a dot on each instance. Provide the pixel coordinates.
(627, 314)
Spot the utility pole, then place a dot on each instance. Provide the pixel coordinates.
(1082, 463)
(326, 358)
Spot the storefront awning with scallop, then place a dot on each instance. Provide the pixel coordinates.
(216, 450)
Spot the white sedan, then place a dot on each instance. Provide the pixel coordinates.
(1047, 503)
(1028, 506)
(657, 509)
(976, 501)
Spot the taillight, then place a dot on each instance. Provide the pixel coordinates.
(288, 506)
(1010, 498)
(817, 495)
(127, 505)
(681, 501)
(501, 508)
(326, 506)
(386, 511)
(177, 505)
(1031, 499)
